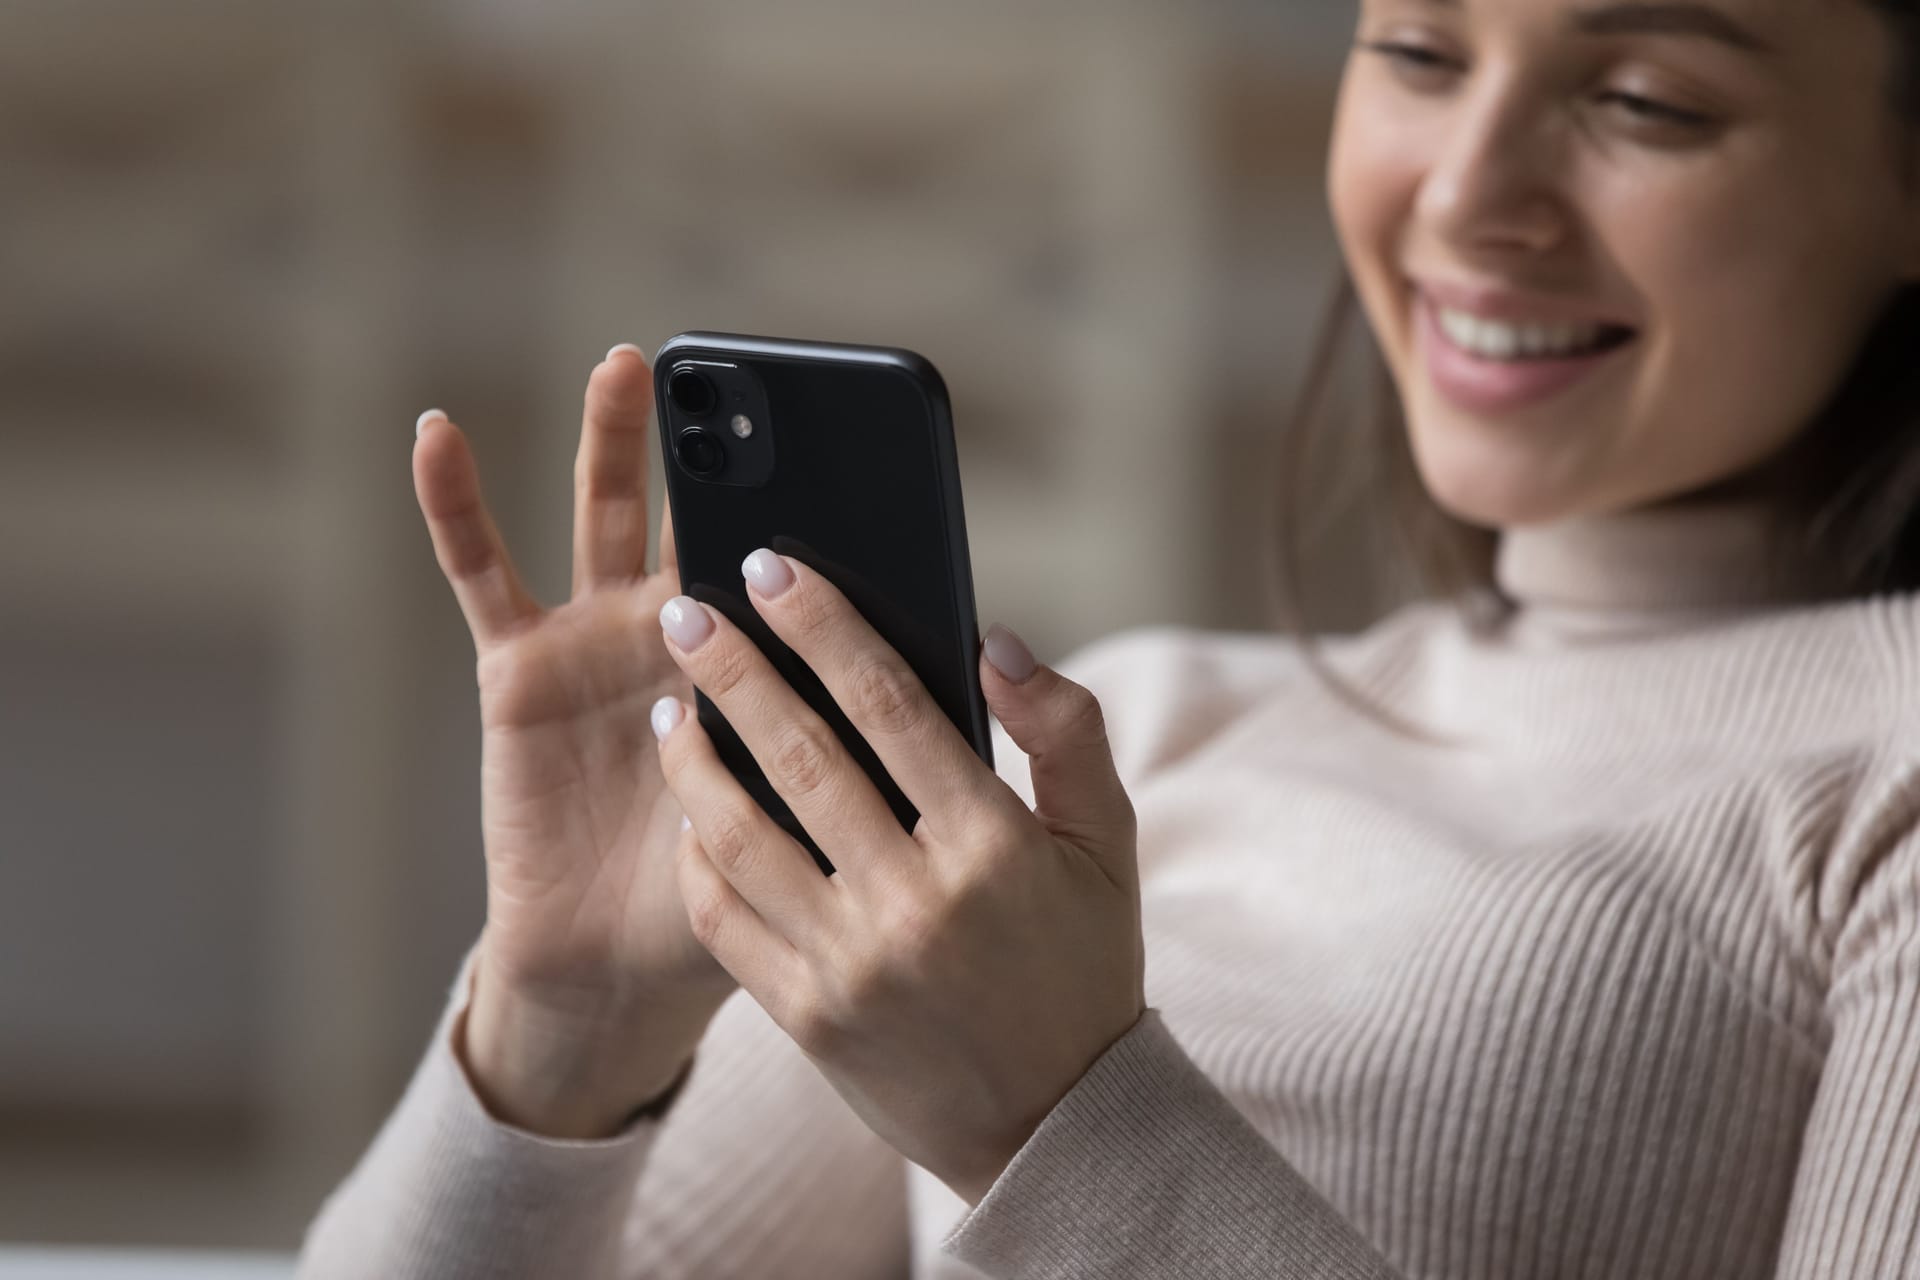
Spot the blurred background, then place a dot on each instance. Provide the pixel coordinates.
(242, 245)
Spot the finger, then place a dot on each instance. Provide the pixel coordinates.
(728, 927)
(465, 541)
(1076, 789)
(669, 552)
(925, 754)
(610, 473)
(802, 757)
(766, 867)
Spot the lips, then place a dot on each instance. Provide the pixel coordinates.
(1489, 386)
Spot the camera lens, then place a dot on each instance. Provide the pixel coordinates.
(699, 451)
(692, 391)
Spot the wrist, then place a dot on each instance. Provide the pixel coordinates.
(563, 1077)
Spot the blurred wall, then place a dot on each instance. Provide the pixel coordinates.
(242, 246)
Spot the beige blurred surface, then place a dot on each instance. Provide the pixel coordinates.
(242, 246)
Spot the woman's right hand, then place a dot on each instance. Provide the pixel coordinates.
(590, 990)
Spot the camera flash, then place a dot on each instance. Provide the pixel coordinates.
(742, 425)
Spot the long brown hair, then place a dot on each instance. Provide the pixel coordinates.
(1845, 493)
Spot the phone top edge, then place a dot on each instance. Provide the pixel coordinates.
(901, 358)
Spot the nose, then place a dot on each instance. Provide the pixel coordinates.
(1491, 186)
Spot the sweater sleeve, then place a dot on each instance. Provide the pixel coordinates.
(1145, 1168)
(755, 1168)
(1855, 1209)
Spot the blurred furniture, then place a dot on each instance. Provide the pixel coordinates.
(137, 1264)
(243, 246)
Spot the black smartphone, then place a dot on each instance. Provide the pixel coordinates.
(843, 458)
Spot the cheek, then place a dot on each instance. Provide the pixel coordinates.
(1373, 176)
(1350, 193)
(1759, 310)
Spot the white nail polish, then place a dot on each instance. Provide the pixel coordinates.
(618, 347)
(686, 823)
(1009, 653)
(684, 620)
(768, 572)
(420, 423)
(666, 716)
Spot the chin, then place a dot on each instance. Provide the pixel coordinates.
(1492, 493)
(1493, 510)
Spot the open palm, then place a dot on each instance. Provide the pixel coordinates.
(583, 914)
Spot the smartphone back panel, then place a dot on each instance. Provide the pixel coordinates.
(847, 464)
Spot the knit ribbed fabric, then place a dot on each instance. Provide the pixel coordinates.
(1615, 974)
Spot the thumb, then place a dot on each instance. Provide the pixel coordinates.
(1076, 790)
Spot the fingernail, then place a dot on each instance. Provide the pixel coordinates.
(767, 572)
(685, 822)
(618, 347)
(665, 715)
(684, 620)
(1009, 654)
(420, 423)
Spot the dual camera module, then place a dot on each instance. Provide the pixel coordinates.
(716, 419)
(698, 448)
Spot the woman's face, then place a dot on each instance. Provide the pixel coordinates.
(1614, 252)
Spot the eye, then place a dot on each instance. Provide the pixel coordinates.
(1647, 110)
(1411, 60)
(1408, 58)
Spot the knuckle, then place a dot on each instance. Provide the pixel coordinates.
(729, 841)
(815, 1026)
(886, 696)
(1081, 712)
(810, 610)
(589, 468)
(803, 760)
(603, 480)
(674, 758)
(862, 985)
(986, 819)
(726, 669)
(862, 988)
(907, 924)
(995, 844)
(706, 909)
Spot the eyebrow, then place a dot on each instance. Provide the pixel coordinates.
(1658, 17)
(1647, 17)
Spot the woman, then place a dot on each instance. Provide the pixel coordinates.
(1566, 923)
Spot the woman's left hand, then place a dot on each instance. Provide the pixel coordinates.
(953, 983)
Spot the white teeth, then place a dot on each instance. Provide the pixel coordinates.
(1497, 340)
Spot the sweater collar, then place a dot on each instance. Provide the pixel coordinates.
(1685, 560)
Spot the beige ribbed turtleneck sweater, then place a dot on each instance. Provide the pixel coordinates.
(1624, 982)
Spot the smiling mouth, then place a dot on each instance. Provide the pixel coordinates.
(1520, 341)
(1498, 367)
